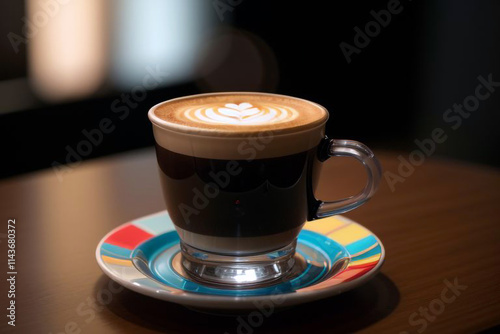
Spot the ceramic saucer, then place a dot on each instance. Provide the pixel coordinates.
(333, 255)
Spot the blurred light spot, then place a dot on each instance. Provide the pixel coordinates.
(158, 33)
(66, 47)
(238, 61)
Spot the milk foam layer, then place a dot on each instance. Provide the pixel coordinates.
(223, 125)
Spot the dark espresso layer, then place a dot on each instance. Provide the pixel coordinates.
(236, 198)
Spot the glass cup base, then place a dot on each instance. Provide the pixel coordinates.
(238, 272)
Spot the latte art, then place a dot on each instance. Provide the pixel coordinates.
(243, 113)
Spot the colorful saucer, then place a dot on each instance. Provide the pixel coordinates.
(333, 255)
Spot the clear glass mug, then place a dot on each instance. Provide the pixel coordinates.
(238, 215)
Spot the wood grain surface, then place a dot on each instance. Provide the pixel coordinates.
(440, 227)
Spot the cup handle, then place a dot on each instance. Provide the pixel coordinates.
(348, 148)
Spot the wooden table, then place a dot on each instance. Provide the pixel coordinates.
(440, 225)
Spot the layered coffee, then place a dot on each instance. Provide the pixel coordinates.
(237, 168)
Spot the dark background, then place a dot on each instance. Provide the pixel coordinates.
(393, 92)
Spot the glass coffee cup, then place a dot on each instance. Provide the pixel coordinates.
(238, 172)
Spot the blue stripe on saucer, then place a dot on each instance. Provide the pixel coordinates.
(361, 245)
(159, 251)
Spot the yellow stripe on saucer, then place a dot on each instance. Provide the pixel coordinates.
(373, 258)
(324, 226)
(120, 262)
(349, 234)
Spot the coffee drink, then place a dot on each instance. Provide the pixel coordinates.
(238, 172)
(245, 161)
(262, 199)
